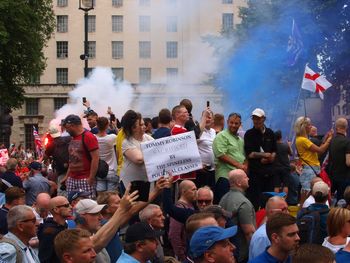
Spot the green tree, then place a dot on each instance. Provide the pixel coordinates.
(25, 28)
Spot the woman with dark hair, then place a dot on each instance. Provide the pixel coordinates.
(134, 128)
(106, 143)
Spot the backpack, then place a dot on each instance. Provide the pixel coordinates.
(309, 224)
(60, 154)
(103, 167)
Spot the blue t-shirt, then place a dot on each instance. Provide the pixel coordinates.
(114, 247)
(265, 257)
(342, 256)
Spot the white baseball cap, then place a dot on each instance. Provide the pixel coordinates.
(258, 112)
(88, 206)
(321, 187)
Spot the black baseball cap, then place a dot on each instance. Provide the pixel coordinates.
(71, 119)
(141, 231)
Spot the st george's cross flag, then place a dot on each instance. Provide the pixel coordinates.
(315, 82)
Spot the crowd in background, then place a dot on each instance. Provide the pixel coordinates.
(256, 198)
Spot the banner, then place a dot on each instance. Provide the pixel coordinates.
(4, 156)
(177, 154)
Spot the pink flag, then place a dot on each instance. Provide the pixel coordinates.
(315, 82)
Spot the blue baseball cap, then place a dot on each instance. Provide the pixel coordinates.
(207, 236)
(271, 194)
(35, 165)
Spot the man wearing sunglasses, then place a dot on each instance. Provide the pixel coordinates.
(60, 210)
(14, 246)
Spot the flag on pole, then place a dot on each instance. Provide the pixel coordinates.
(295, 45)
(315, 82)
(37, 141)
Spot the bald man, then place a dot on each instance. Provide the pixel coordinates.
(260, 241)
(60, 210)
(41, 207)
(235, 201)
(339, 158)
(188, 193)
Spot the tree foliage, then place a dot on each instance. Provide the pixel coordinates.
(25, 27)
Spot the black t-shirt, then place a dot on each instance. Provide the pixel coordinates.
(11, 178)
(254, 141)
(339, 147)
(3, 220)
(282, 159)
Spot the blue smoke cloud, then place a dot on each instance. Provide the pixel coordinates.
(257, 74)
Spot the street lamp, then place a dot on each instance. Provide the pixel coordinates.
(86, 6)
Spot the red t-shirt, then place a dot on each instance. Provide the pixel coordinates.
(177, 129)
(79, 159)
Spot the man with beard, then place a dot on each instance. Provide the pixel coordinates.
(282, 231)
(83, 157)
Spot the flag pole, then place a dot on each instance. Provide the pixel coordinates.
(296, 109)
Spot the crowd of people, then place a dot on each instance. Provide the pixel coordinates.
(255, 198)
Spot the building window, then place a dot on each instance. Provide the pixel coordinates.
(32, 106)
(117, 49)
(118, 73)
(117, 23)
(62, 75)
(91, 24)
(227, 22)
(62, 24)
(171, 74)
(34, 79)
(171, 24)
(92, 49)
(145, 23)
(144, 75)
(117, 3)
(28, 135)
(62, 3)
(145, 2)
(62, 49)
(59, 103)
(227, 1)
(171, 49)
(145, 49)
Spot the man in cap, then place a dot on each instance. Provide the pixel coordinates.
(320, 191)
(75, 196)
(57, 150)
(260, 148)
(35, 183)
(141, 243)
(88, 216)
(83, 157)
(211, 244)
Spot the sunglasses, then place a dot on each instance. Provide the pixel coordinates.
(65, 205)
(201, 201)
(32, 220)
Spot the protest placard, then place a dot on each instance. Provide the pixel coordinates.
(4, 156)
(177, 154)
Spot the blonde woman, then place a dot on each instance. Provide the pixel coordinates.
(308, 153)
(338, 228)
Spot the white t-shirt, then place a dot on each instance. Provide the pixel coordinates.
(332, 247)
(311, 200)
(205, 147)
(132, 171)
(106, 148)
